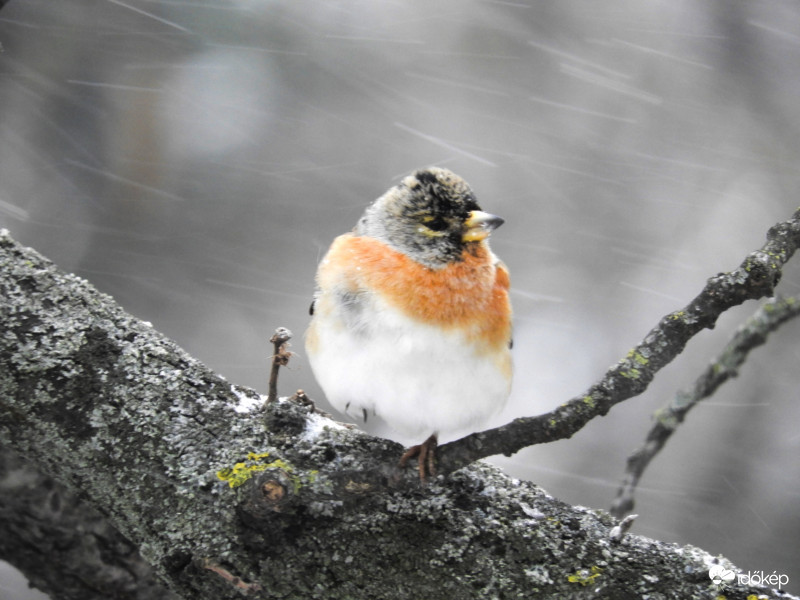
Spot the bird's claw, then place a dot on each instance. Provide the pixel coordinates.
(426, 458)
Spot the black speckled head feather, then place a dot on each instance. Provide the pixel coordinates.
(428, 216)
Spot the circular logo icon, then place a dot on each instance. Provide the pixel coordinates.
(720, 575)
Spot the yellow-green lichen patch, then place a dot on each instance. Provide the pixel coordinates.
(631, 374)
(779, 256)
(638, 357)
(667, 418)
(633, 361)
(585, 576)
(243, 471)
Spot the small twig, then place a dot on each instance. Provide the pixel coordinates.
(755, 278)
(237, 582)
(620, 529)
(301, 398)
(280, 357)
(752, 334)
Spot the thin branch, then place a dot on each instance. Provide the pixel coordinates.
(302, 399)
(755, 278)
(752, 334)
(237, 582)
(618, 532)
(280, 358)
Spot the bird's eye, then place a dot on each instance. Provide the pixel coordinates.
(435, 223)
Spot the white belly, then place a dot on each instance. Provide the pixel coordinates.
(415, 377)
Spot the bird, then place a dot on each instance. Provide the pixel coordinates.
(411, 318)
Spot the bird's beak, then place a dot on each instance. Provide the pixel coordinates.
(479, 225)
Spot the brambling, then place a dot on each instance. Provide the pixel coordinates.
(411, 320)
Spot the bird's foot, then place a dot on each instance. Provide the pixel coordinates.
(426, 458)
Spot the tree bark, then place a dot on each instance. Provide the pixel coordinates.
(63, 544)
(228, 496)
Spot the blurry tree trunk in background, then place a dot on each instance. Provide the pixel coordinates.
(228, 497)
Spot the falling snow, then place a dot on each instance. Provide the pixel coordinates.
(195, 159)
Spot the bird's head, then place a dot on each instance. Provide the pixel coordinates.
(432, 216)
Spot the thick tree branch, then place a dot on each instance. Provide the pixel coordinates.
(226, 495)
(42, 519)
(752, 334)
(755, 278)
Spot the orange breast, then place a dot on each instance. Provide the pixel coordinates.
(471, 295)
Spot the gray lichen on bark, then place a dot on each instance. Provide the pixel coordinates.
(114, 411)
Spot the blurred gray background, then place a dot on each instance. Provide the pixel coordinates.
(195, 159)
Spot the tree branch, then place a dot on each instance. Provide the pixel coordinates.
(225, 494)
(280, 358)
(752, 334)
(44, 523)
(755, 278)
